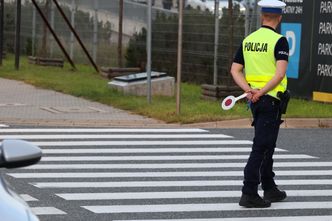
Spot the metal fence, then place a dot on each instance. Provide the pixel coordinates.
(96, 22)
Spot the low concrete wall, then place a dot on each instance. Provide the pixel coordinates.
(159, 86)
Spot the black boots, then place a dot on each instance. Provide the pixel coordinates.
(274, 195)
(253, 201)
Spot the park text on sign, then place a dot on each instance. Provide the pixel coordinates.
(323, 59)
(325, 28)
(326, 7)
(324, 43)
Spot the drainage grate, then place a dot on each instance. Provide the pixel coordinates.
(73, 110)
(12, 105)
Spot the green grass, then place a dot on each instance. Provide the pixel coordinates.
(87, 84)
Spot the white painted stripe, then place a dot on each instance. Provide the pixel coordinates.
(3, 125)
(27, 198)
(169, 165)
(185, 183)
(103, 130)
(204, 207)
(112, 136)
(179, 195)
(165, 174)
(152, 150)
(47, 211)
(144, 143)
(279, 218)
(167, 157)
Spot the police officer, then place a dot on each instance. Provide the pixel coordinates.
(263, 56)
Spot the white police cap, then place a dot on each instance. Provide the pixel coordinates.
(272, 6)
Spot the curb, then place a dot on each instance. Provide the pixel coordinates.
(227, 124)
(288, 123)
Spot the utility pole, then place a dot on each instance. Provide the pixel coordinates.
(120, 33)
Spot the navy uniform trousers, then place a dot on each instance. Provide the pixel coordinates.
(259, 168)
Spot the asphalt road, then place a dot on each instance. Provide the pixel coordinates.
(173, 174)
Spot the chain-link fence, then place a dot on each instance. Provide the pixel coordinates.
(97, 23)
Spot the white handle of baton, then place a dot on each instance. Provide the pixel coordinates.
(229, 102)
(241, 96)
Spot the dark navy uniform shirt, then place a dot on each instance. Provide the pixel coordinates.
(281, 51)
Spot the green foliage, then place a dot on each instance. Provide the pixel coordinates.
(198, 44)
(28, 46)
(9, 26)
(136, 53)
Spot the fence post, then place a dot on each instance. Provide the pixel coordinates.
(18, 34)
(231, 33)
(148, 51)
(247, 21)
(72, 42)
(95, 31)
(216, 42)
(2, 2)
(179, 61)
(33, 51)
(53, 26)
(257, 11)
(120, 33)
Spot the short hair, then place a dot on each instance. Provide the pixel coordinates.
(270, 16)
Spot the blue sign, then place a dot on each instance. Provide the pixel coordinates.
(293, 31)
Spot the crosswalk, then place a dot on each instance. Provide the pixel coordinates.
(162, 174)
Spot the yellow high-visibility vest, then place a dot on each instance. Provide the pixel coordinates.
(260, 63)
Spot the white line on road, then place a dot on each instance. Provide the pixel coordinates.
(151, 150)
(47, 211)
(112, 136)
(280, 218)
(162, 208)
(170, 165)
(144, 143)
(104, 130)
(165, 174)
(179, 195)
(27, 198)
(167, 157)
(184, 183)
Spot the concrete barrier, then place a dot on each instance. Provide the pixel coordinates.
(136, 84)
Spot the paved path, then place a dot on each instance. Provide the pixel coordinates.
(21, 103)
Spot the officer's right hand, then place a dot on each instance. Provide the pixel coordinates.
(256, 94)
